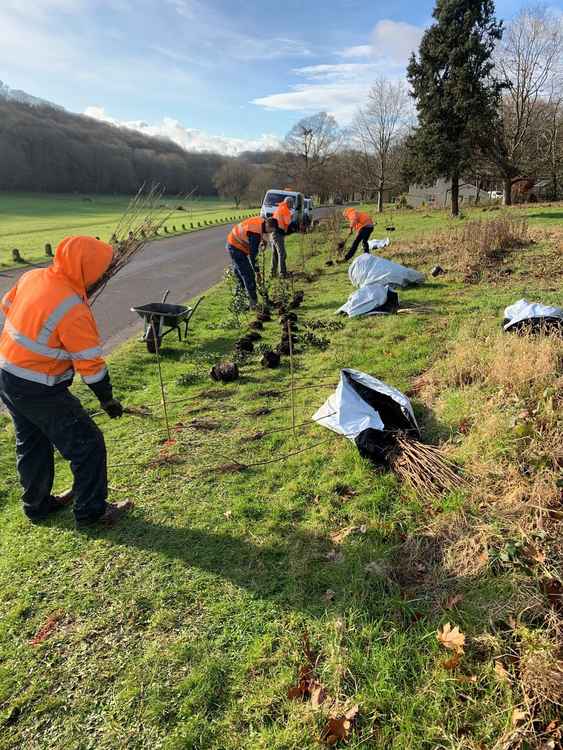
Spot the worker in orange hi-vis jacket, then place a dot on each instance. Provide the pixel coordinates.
(47, 334)
(243, 244)
(284, 217)
(362, 223)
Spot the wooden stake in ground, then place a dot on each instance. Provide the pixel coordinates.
(157, 350)
(289, 333)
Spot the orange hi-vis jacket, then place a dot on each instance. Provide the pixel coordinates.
(284, 216)
(47, 330)
(238, 236)
(358, 219)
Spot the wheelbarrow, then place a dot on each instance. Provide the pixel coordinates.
(160, 319)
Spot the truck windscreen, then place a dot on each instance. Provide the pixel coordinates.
(273, 199)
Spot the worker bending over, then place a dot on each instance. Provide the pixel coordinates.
(284, 217)
(243, 244)
(361, 223)
(47, 335)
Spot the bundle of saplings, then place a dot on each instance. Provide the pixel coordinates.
(533, 317)
(380, 420)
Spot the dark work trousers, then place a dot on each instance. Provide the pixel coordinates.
(244, 271)
(278, 253)
(46, 418)
(363, 237)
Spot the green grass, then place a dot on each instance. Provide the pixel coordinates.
(29, 220)
(183, 627)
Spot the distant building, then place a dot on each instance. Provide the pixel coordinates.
(439, 195)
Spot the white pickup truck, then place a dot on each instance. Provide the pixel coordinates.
(274, 197)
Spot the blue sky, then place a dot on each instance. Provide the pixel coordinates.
(209, 69)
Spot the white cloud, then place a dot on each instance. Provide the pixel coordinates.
(222, 35)
(395, 40)
(340, 88)
(362, 50)
(190, 138)
(338, 99)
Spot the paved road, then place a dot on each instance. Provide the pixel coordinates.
(187, 265)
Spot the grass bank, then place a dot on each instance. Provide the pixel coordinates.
(30, 220)
(187, 626)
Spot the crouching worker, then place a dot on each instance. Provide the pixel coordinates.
(243, 244)
(361, 223)
(47, 334)
(284, 218)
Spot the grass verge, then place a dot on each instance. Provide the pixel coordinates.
(187, 626)
(28, 220)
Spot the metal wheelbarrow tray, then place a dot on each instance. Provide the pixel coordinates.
(160, 319)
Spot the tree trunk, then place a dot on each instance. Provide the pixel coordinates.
(380, 198)
(507, 191)
(455, 195)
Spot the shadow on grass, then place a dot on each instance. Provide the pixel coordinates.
(551, 215)
(289, 572)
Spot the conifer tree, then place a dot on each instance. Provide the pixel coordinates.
(456, 95)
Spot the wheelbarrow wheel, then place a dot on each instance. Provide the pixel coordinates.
(153, 342)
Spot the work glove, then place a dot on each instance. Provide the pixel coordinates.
(113, 408)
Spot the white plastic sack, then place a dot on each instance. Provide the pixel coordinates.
(524, 310)
(371, 269)
(346, 413)
(378, 244)
(364, 300)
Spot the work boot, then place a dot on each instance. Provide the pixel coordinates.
(63, 500)
(115, 512)
(53, 504)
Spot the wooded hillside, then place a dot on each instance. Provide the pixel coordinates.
(51, 150)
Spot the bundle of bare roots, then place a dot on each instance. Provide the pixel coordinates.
(425, 468)
(144, 216)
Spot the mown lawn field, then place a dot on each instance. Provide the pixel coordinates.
(29, 220)
(186, 627)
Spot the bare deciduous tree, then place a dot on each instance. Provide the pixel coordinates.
(528, 62)
(309, 146)
(233, 179)
(379, 127)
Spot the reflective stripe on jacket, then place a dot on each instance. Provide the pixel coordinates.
(238, 236)
(357, 219)
(49, 332)
(283, 215)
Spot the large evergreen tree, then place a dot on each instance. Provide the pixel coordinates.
(456, 95)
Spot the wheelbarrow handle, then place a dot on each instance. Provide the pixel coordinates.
(165, 296)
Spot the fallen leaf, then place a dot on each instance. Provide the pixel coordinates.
(553, 589)
(451, 638)
(338, 537)
(294, 692)
(452, 662)
(376, 568)
(453, 601)
(45, 630)
(318, 695)
(334, 556)
(352, 712)
(472, 678)
(335, 730)
(501, 672)
(518, 716)
(228, 513)
(531, 552)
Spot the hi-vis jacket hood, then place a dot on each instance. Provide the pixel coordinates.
(82, 260)
(357, 219)
(47, 330)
